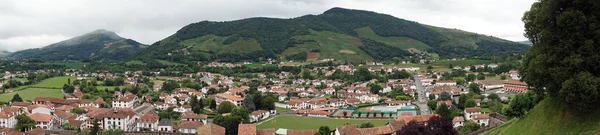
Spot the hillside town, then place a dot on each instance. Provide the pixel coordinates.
(148, 102)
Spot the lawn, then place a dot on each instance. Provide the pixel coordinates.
(282, 110)
(55, 82)
(550, 117)
(297, 122)
(30, 93)
(330, 44)
(460, 62)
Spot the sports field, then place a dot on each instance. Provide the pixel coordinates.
(297, 122)
(30, 93)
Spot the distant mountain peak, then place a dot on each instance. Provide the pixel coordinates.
(108, 33)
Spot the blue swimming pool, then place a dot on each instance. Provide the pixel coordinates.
(390, 108)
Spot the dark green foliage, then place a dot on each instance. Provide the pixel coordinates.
(95, 128)
(494, 97)
(230, 123)
(249, 103)
(564, 59)
(97, 45)
(444, 111)
(432, 104)
(474, 88)
(225, 107)
(170, 85)
(276, 35)
(242, 112)
(297, 57)
(381, 51)
(324, 130)
(445, 96)
(434, 126)
(470, 103)
(24, 123)
(16, 98)
(366, 125)
(521, 103)
(469, 126)
(78, 110)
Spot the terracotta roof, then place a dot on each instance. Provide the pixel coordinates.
(481, 116)
(301, 132)
(269, 131)
(76, 123)
(194, 116)
(515, 82)
(62, 114)
(397, 125)
(258, 112)
(40, 117)
(165, 122)
(458, 119)
(211, 129)
(36, 131)
(189, 124)
(230, 97)
(121, 113)
(418, 118)
(382, 130)
(473, 109)
(348, 130)
(127, 98)
(149, 117)
(22, 104)
(447, 102)
(98, 113)
(247, 129)
(490, 82)
(317, 112)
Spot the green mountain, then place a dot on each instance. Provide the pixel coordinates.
(97, 45)
(341, 34)
(527, 42)
(550, 117)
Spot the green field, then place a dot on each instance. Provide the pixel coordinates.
(108, 87)
(282, 110)
(20, 79)
(55, 82)
(214, 43)
(134, 62)
(550, 117)
(335, 45)
(297, 122)
(67, 64)
(168, 63)
(460, 62)
(399, 42)
(30, 93)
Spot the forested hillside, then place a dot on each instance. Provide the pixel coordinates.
(341, 34)
(97, 45)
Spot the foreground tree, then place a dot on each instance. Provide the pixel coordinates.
(16, 98)
(565, 38)
(367, 125)
(24, 123)
(225, 107)
(324, 130)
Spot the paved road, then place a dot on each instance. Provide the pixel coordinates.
(421, 98)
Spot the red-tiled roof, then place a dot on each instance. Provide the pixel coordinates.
(189, 124)
(247, 129)
(458, 119)
(473, 109)
(40, 117)
(211, 129)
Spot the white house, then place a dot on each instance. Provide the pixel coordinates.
(125, 101)
(458, 121)
(41, 109)
(188, 127)
(43, 121)
(165, 125)
(231, 98)
(259, 115)
(148, 122)
(481, 119)
(471, 111)
(445, 82)
(123, 119)
(7, 116)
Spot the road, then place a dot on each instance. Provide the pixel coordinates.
(421, 98)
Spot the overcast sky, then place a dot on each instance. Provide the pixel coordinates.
(36, 23)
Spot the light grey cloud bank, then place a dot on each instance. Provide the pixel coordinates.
(36, 23)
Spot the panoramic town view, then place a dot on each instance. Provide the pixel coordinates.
(299, 67)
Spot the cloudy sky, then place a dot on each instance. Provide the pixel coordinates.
(36, 23)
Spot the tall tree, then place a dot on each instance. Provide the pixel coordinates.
(444, 111)
(249, 103)
(440, 126)
(24, 123)
(470, 103)
(324, 130)
(225, 107)
(95, 128)
(16, 98)
(565, 38)
(474, 88)
(445, 96)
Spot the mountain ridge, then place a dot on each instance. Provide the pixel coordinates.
(100, 44)
(278, 38)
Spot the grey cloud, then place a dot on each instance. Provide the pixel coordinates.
(30, 24)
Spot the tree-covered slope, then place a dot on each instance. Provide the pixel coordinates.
(4, 53)
(315, 36)
(96, 45)
(550, 117)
